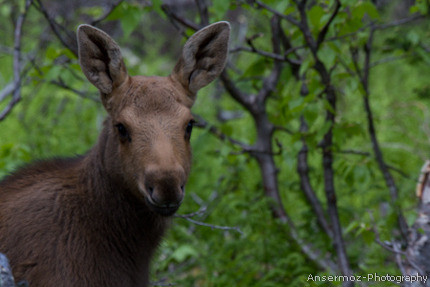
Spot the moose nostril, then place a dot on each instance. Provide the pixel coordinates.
(183, 188)
(150, 190)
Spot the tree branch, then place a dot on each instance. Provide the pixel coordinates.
(310, 251)
(277, 57)
(399, 22)
(60, 83)
(242, 98)
(326, 145)
(389, 180)
(16, 93)
(271, 81)
(235, 228)
(70, 44)
(183, 21)
(202, 6)
(261, 5)
(202, 123)
(303, 171)
(323, 33)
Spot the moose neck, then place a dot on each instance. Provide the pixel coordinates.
(118, 208)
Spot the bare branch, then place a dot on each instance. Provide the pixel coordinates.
(199, 212)
(310, 251)
(8, 89)
(55, 27)
(242, 98)
(271, 81)
(202, 5)
(261, 5)
(399, 22)
(303, 171)
(392, 24)
(304, 27)
(327, 145)
(183, 21)
(60, 83)
(202, 123)
(387, 60)
(277, 57)
(323, 33)
(16, 94)
(389, 180)
(234, 228)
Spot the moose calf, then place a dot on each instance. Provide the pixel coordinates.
(96, 220)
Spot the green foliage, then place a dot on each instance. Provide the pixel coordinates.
(53, 121)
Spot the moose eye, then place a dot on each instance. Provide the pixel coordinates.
(189, 129)
(123, 133)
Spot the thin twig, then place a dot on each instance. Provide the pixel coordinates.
(192, 214)
(277, 57)
(60, 83)
(202, 123)
(234, 228)
(388, 59)
(399, 22)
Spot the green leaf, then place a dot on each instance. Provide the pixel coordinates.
(183, 252)
(421, 6)
(368, 236)
(314, 15)
(307, 63)
(328, 106)
(256, 68)
(365, 8)
(328, 55)
(156, 6)
(129, 16)
(413, 37)
(218, 10)
(351, 226)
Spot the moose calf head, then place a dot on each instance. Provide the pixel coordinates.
(150, 123)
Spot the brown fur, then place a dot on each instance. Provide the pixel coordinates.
(97, 219)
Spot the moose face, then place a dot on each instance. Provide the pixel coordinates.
(150, 121)
(152, 128)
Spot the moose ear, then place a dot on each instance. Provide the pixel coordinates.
(100, 59)
(203, 57)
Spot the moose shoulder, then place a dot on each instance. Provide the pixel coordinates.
(96, 220)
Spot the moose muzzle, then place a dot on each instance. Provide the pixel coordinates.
(164, 189)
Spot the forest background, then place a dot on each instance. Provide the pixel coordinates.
(310, 145)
